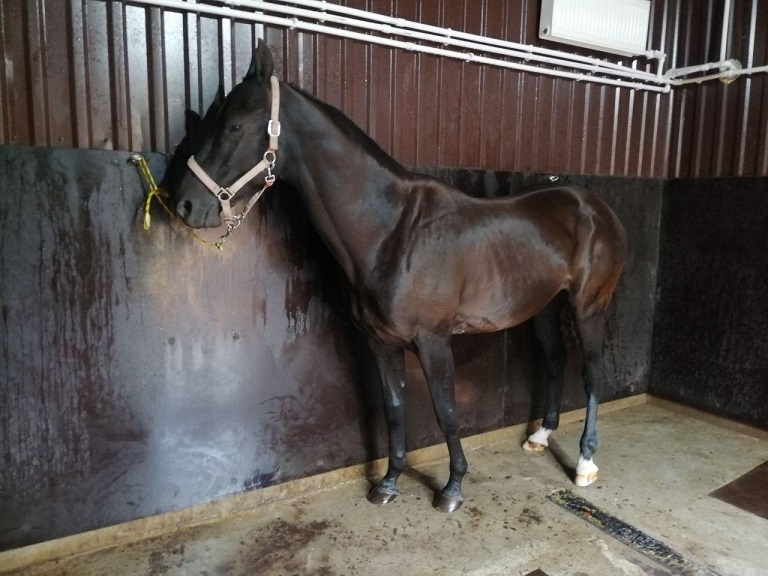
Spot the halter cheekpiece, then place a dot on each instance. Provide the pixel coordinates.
(226, 193)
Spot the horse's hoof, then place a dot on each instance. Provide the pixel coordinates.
(380, 496)
(530, 446)
(585, 479)
(446, 503)
(586, 472)
(537, 441)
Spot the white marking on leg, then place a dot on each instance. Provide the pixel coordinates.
(586, 471)
(541, 435)
(538, 440)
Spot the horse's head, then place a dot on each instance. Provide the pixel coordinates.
(195, 129)
(234, 142)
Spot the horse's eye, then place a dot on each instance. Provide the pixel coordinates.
(235, 127)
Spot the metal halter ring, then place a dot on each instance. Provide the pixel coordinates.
(236, 222)
(224, 194)
(266, 157)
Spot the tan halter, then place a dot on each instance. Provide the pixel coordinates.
(225, 194)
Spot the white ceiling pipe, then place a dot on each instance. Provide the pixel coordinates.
(729, 68)
(726, 28)
(662, 57)
(438, 39)
(727, 75)
(296, 23)
(724, 65)
(401, 22)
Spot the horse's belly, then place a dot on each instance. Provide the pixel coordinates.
(480, 313)
(480, 324)
(454, 303)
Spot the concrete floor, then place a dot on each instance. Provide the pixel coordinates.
(657, 469)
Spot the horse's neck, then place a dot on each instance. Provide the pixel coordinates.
(353, 201)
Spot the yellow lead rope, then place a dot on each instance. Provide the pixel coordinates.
(158, 193)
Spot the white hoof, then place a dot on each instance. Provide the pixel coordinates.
(537, 441)
(586, 472)
(585, 479)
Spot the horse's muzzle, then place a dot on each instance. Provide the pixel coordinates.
(194, 217)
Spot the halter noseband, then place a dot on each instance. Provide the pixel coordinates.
(225, 194)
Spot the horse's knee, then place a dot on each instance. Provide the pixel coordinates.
(447, 420)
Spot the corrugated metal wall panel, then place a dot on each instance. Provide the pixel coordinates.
(120, 76)
(721, 129)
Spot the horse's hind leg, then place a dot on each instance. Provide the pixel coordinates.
(549, 333)
(437, 362)
(591, 328)
(391, 363)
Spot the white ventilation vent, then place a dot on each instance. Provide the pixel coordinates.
(616, 26)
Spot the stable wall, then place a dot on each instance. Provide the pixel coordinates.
(109, 75)
(710, 345)
(143, 371)
(117, 76)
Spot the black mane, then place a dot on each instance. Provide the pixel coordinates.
(354, 133)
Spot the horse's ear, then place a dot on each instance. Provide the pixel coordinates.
(192, 122)
(216, 104)
(262, 64)
(218, 100)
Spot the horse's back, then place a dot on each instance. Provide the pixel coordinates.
(564, 219)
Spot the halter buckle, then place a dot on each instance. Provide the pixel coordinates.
(273, 128)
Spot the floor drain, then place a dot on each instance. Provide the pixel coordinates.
(626, 533)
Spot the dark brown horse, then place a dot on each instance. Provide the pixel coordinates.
(425, 261)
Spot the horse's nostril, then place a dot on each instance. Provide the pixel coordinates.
(184, 208)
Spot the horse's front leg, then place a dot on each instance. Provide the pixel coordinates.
(391, 363)
(437, 362)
